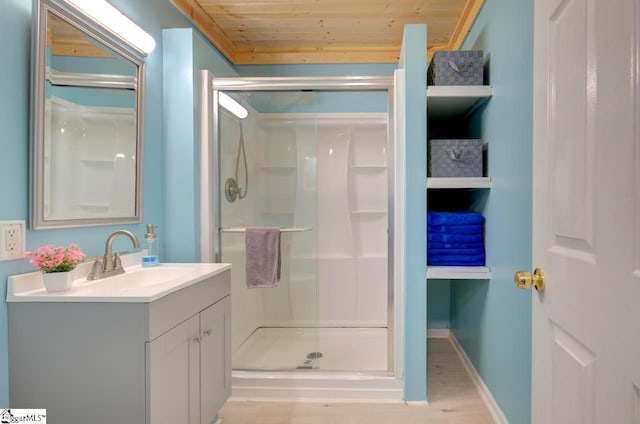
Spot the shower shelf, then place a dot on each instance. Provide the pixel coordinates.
(372, 212)
(94, 206)
(282, 230)
(283, 212)
(365, 167)
(98, 162)
(283, 167)
(458, 272)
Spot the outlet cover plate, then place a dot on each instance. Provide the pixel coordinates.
(12, 240)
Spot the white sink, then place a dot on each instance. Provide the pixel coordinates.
(137, 284)
(143, 277)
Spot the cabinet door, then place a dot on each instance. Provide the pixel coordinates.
(215, 363)
(172, 373)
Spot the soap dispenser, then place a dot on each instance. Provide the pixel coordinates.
(151, 244)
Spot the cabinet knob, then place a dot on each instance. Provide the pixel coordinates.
(208, 332)
(197, 339)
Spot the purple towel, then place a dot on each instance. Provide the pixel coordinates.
(262, 249)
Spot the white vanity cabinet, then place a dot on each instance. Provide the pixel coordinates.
(189, 368)
(132, 357)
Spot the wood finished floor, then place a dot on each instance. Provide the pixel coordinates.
(453, 399)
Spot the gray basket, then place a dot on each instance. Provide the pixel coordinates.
(455, 158)
(462, 67)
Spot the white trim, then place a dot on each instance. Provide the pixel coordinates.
(438, 333)
(484, 391)
(399, 215)
(321, 386)
(207, 173)
(362, 118)
(417, 403)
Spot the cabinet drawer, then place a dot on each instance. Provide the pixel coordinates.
(171, 310)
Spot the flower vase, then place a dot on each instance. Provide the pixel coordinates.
(57, 281)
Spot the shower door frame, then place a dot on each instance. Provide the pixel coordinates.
(210, 193)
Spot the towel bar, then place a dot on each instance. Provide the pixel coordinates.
(282, 230)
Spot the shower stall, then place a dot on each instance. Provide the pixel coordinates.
(313, 157)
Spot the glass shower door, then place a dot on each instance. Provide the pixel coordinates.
(268, 178)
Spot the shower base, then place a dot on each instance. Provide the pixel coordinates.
(353, 366)
(335, 349)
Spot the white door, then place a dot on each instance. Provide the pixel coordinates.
(586, 225)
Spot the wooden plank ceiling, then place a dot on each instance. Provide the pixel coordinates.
(326, 31)
(66, 40)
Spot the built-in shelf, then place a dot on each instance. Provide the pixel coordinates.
(455, 100)
(458, 272)
(444, 183)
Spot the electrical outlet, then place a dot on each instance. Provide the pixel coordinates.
(12, 240)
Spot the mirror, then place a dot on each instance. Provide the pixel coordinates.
(86, 147)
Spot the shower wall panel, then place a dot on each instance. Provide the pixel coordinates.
(350, 165)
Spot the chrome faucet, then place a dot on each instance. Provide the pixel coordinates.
(111, 265)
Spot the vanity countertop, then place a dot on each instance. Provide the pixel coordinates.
(136, 285)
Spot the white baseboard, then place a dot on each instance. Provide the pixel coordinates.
(417, 402)
(438, 333)
(486, 395)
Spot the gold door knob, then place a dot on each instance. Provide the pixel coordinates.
(524, 280)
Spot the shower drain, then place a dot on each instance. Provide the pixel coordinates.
(315, 355)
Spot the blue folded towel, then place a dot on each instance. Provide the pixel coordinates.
(454, 218)
(441, 245)
(446, 262)
(454, 238)
(455, 229)
(455, 260)
(460, 252)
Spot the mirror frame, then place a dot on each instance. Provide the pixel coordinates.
(109, 39)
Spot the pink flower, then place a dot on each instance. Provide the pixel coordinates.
(58, 259)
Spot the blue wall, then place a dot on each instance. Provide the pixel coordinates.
(15, 45)
(492, 319)
(439, 304)
(185, 53)
(413, 60)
